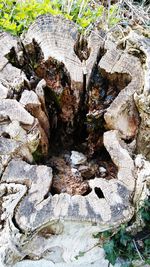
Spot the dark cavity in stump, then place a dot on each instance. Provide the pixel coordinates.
(75, 114)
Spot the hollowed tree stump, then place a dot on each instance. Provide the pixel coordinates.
(74, 114)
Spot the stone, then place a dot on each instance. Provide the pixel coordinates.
(77, 158)
(74, 171)
(102, 170)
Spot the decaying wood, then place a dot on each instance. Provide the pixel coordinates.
(67, 92)
(142, 100)
(7, 42)
(122, 114)
(4, 89)
(8, 72)
(32, 104)
(59, 46)
(10, 108)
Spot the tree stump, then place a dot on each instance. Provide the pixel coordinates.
(74, 115)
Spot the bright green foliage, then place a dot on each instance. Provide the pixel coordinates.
(16, 16)
(113, 16)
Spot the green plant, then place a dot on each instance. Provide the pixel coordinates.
(126, 246)
(81, 254)
(145, 211)
(16, 16)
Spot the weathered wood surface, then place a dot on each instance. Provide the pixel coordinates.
(122, 114)
(142, 100)
(8, 72)
(66, 81)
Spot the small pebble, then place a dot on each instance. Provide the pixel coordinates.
(77, 158)
(102, 170)
(74, 171)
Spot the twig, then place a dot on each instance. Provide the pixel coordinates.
(70, 3)
(144, 237)
(140, 256)
(97, 244)
(138, 11)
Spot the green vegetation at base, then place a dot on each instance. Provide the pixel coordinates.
(124, 245)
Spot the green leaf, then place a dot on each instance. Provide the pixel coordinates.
(67, 16)
(148, 261)
(113, 9)
(97, 235)
(106, 234)
(109, 249)
(100, 11)
(81, 254)
(124, 237)
(83, 22)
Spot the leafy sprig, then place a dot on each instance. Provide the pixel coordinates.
(126, 246)
(16, 16)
